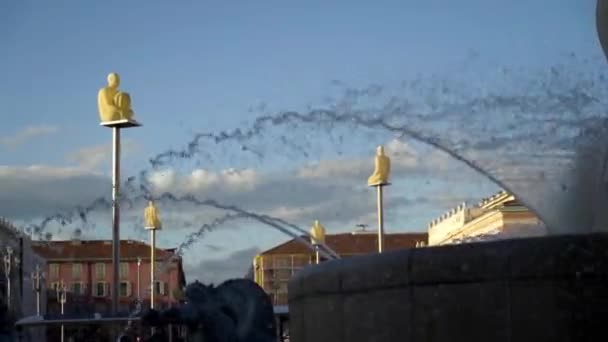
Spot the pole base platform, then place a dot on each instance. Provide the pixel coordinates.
(121, 123)
(379, 184)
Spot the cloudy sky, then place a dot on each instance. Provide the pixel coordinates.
(277, 109)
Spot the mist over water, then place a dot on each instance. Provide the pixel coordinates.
(538, 133)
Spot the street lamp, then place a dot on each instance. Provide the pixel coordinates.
(379, 179)
(62, 298)
(37, 280)
(317, 237)
(7, 273)
(138, 279)
(9, 260)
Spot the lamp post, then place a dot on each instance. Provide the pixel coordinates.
(7, 272)
(37, 280)
(9, 261)
(317, 237)
(115, 112)
(138, 279)
(379, 179)
(62, 297)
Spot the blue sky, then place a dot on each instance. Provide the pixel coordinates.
(198, 67)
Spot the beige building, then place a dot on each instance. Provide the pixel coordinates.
(496, 217)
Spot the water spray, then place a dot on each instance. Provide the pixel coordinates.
(396, 118)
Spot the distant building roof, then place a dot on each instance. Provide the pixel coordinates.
(95, 250)
(353, 243)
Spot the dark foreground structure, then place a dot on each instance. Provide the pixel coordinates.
(536, 289)
(238, 310)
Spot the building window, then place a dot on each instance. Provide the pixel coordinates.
(125, 289)
(283, 274)
(78, 288)
(281, 262)
(160, 288)
(101, 289)
(420, 244)
(54, 286)
(76, 271)
(124, 270)
(100, 271)
(54, 270)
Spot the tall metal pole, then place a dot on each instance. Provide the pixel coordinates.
(62, 298)
(317, 256)
(380, 219)
(152, 265)
(170, 303)
(138, 279)
(152, 269)
(115, 217)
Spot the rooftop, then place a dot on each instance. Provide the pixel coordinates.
(353, 243)
(501, 199)
(95, 250)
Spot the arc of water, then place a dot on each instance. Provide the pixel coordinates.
(265, 219)
(323, 245)
(404, 130)
(270, 221)
(260, 123)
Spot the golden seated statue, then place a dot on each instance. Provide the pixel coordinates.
(317, 232)
(151, 217)
(382, 169)
(112, 103)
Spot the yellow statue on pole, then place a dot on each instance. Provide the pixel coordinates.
(112, 103)
(151, 217)
(318, 233)
(382, 169)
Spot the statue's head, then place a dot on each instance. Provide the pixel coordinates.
(150, 204)
(113, 80)
(380, 150)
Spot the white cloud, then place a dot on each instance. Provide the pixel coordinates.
(405, 161)
(32, 191)
(337, 197)
(26, 134)
(201, 181)
(90, 157)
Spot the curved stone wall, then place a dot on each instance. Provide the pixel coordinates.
(536, 289)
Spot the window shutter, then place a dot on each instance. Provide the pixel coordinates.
(162, 288)
(129, 289)
(106, 289)
(166, 288)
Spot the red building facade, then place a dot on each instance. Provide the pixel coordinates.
(85, 268)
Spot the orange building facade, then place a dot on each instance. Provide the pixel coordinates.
(85, 268)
